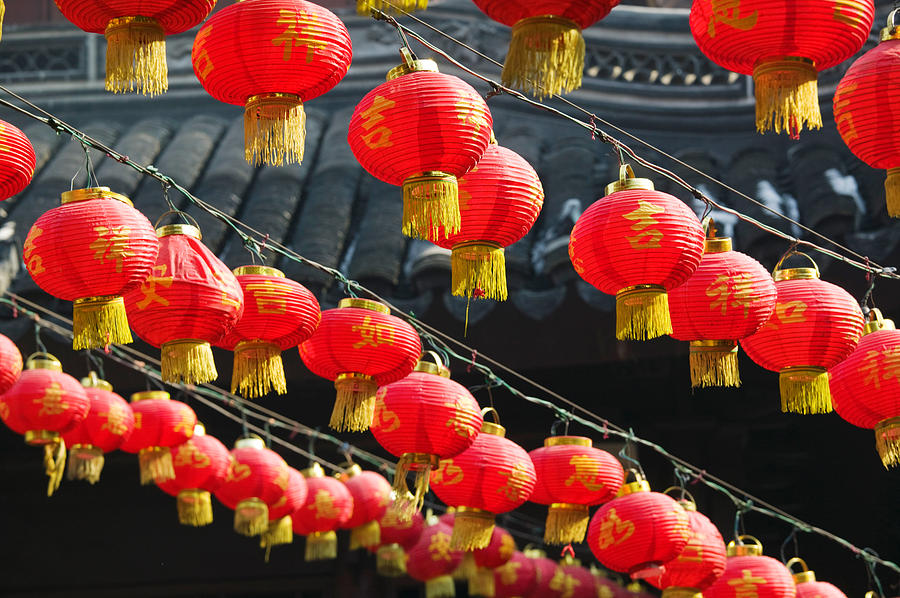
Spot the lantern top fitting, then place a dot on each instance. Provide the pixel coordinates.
(892, 31)
(628, 182)
(738, 548)
(718, 245)
(364, 304)
(179, 229)
(795, 273)
(412, 65)
(568, 441)
(436, 368)
(805, 576)
(253, 441)
(199, 430)
(639, 485)
(92, 193)
(43, 361)
(875, 322)
(492, 428)
(94, 381)
(352, 471)
(150, 394)
(260, 270)
(313, 471)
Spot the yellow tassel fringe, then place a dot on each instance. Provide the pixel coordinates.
(2, 13)
(642, 313)
(279, 532)
(714, 363)
(482, 583)
(546, 56)
(156, 465)
(390, 561)
(194, 507)
(274, 129)
(471, 530)
(892, 192)
(887, 441)
(365, 536)
(321, 546)
(364, 7)
(99, 321)
(566, 523)
(54, 464)
(430, 203)
(251, 517)
(136, 56)
(466, 569)
(787, 96)
(805, 390)
(440, 587)
(479, 265)
(406, 504)
(257, 370)
(354, 406)
(85, 463)
(189, 361)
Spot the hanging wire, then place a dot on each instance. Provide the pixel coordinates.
(792, 537)
(38, 343)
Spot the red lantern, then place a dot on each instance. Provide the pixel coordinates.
(255, 479)
(200, 464)
(748, 572)
(17, 160)
(397, 536)
(638, 532)
(281, 520)
(278, 314)
(432, 560)
(328, 506)
(360, 346)
(10, 363)
(815, 325)
(571, 476)
(371, 496)
(808, 587)
(91, 250)
(607, 588)
(494, 475)
(636, 244)
(515, 578)
(159, 424)
(271, 56)
(423, 418)
(545, 571)
(422, 130)
(108, 424)
(748, 37)
(499, 201)
(487, 559)
(728, 298)
(135, 33)
(573, 581)
(190, 300)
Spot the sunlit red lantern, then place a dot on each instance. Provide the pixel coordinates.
(135, 33)
(545, 571)
(397, 536)
(189, 301)
(281, 520)
(747, 37)
(815, 326)
(432, 561)
(17, 160)
(10, 363)
(487, 559)
(747, 572)
(278, 314)
(728, 298)
(360, 346)
(515, 578)
(493, 476)
(91, 250)
(159, 424)
(200, 464)
(637, 243)
(108, 424)
(371, 497)
(328, 506)
(421, 419)
(365, 7)
(638, 532)
(271, 57)
(572, 475)
(422, 130)
(808, 587)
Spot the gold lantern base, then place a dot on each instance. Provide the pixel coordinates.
(472, 529)
(787, 95)
(136, 56)
(546, 56)
(440, 587)
(405, 502)
(257, 370)
(354, 406)
(804, 389)
(642, 313)
(365, 7)
(321, 546)
(482, 583)
(431, 206)
(892, 192)
(98, 322)
(478, 265)
(187, 360)
(887, 441)
(390, 561)
(251, 517)
(85, 463)
(156, 465)
(365, 536)
(714, 363)
(194, 507)
(566, 523)
(279, 532)
(274, 129)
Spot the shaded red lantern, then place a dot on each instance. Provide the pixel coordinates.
(493, 476)
(10, 363)
(159, 424)
(278, 314)
(360, 346)
(607, 588)
(421, 419)
(328, 506)
(487, 559)
(397, 536)
(432, 560)
(515, 578)
(638, 532)
(371, 497)
(545, 571)
(748, 37)
(365, 7)
(808, 587)
(109, 422)
(189, 301)
(728, 298)
(748, 571)
(422, 130)
(573, 581)
(17, 160)
(200, 464)
(135, 32)
(815, 326)
(272, 56)
(281, 520)
(637, 243)
(91, 250)
(572, 475)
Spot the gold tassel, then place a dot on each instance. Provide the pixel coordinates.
(714, 363)
(54, 463)
(156, 465)
(279, 532)
(546, 56)
(136, 56)
(566, 523)
(2, 13)
(478, 265)
(194, 507)
(471, 530)
(189, 361)
(642, 313)
(85, 463)
(365, 535)
(405, 503)
(440, 587)
(274, 129)
(887, 441)
(482, 583)
(390, 561)
(805, 390)
(365, 7)
(431, 206)
(321, 546)
(257, 370)
(354, 406)
(466, 568)
(892, 192)
(98, 322)
(251, 517)
(787, 95)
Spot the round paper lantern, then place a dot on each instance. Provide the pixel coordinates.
(421, 419)
(571, 476)
(272, 56)
(256, 478)
(637, 243)
(606, 587)
(573, 581)
(360, 346)
(281, 520)
(815, 325)
(278, 314)
(371, 497)
(498, 551)
(545, 571)
(17, 160)
(867, 89)
(10, 363)
(748, 572)
(328, 506)
(190, 300)
(397, 536)
(748, 37)
(200, 464)
(422, 130)
(808, 587)
(494, 475)
(638, 532)
(365, 7)
(515, 578)
(499, 201)
(159, 424)
(108, 423)
(432, 560)
(728, 298)
(91, 250)
(135, 33)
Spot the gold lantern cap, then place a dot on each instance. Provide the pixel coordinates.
(411, 65)
(627, 181)
(892, 31)
(364, 304)
(43, 361)
(805, 576)
(780, 273)
(150, 394)
(492, 428)
(738, 548)
(92, 193)
(875, 322)
(437, 368)
(199, 429)
(568, 441)
(313, 471)
(259, 270)
(251, 441)
(94, 381)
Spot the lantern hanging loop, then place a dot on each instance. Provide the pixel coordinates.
(685, 496)
(492, 411)
(791, 537)
(795, 560)
(790, 253)
(188, 219)
(438, 360)
(741, 540)
(892, 31)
